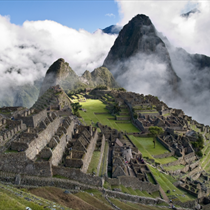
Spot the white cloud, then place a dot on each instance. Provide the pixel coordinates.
(34, 46)
(189, 33)
(110, 15)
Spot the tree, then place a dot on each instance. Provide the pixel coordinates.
(116, 108)
(155, 131)
(76, 107)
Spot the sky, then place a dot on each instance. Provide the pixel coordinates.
(87, 15)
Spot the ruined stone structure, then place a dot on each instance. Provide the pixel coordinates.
(43, 142)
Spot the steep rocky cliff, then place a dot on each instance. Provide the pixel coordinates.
(138, 37)
(61, 73)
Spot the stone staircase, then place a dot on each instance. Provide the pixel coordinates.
(44, 101)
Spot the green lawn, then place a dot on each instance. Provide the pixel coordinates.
(167, 160)
(9, 200)
(96, 106)
(146, 146)
(103, 168)
(132, 206)
(93, 201)
(166, 182)
(174, 168)
(94, 162)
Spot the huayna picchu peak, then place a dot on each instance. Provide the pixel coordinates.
(138, 37)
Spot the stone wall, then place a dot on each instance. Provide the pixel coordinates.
(133, 198)
(133, 182)
(174, 163)
(58, 151)
(10, 133)
(43, 139)
(20, 164)
(78, 175)
(164, 143)
(195, 170)
(112, 181)
(189, 156)
(33, 120)
(123, 118)
(194, 165)
(101, 155)
(189, 191)
(90, 149)
(164, 155)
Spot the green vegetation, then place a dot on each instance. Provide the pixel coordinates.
(94, 162)
(76, 107)
(199, 145)
(149, 176)
(103, 167)
(146, 146)
(12, 198)
(155, 130)
(166, 160)
(107, 185)
(96, 106)
(93, 201)
(132, 206)
(174, 168)
(166, 182)
(59, 176)
(165, 115)
(101, 87)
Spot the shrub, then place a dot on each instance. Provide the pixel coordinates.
(199, 153)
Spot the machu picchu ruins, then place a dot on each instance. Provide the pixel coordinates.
(108, 146)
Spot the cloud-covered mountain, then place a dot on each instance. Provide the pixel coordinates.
(143, 60)
(27, 51)
(139, 55)
(61, 73)
(113, 29)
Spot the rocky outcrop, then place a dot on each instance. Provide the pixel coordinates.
(113, 29)
(59, 73)
(100, 76)
(138, 37)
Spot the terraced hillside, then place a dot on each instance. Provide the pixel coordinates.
(96, 111)
(15, 199)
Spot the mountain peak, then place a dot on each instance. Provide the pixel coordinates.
(57, 72)
(138, 38)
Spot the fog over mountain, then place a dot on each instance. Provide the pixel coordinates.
(144, 61)
(27, 51)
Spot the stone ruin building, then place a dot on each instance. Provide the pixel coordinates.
(40, 142)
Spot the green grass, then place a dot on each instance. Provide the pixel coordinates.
(150, 178)
(107, 185)
(96, 106)
(93, 201)
(103, 169)
(166, 160)
(147, 112)
(132, 206)
(98, 195)
(146, 146)
(174, 168)
(166, 182)
(9, 200)
(165, 115)
(94, 162)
